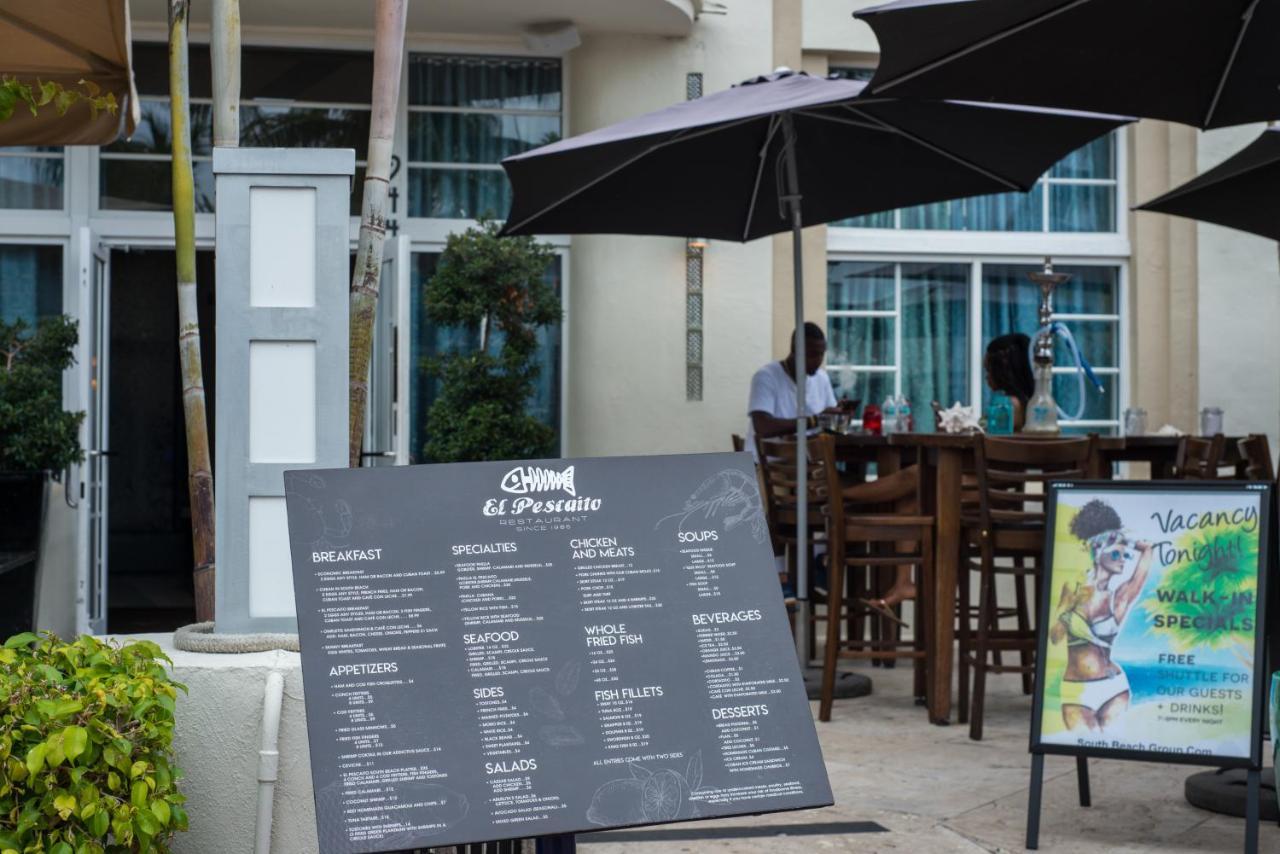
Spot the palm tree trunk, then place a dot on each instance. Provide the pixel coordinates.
(224, 52)
(199, 472)
(388, 50)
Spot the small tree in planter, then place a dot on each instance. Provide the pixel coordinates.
(86, 757)
(494, 285)
(36, 433)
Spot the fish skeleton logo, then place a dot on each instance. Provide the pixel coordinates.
(522, 480)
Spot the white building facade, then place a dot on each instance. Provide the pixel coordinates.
(660, 335)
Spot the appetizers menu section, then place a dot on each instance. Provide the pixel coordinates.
(501, 650)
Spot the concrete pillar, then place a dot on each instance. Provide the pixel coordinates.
(788, 31)
(1163, 298)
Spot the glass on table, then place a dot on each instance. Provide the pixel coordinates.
(1135, 422)
(1211, 421)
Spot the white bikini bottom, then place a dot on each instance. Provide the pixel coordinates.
(1095, 693)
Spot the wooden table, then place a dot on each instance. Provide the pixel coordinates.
(944, 458)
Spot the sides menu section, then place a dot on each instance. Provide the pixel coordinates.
(498, 650)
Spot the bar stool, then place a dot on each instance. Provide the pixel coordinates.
(1255, 452)
(1012, 474)
(863, 515)
(777, 462)
(1199, 458)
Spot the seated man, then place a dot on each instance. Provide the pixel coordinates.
(772, 406)
(772, 410)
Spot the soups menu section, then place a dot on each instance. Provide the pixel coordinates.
(500, 650)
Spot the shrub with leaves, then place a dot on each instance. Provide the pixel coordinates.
(496, 286)
(36, 433)
(14, 92)
(86, 757)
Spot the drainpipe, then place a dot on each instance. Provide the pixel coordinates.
(269, 758)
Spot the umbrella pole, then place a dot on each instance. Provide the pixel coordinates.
(792, 200)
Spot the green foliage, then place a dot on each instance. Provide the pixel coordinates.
(14, 92)
(496, 284)
(36, 433)
(86, 757)
(1225, 564)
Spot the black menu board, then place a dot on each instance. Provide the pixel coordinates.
(502, 650)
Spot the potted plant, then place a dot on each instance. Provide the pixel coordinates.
(497, 287)
(38, 440)
(86, 756)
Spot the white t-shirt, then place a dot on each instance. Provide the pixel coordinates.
(774, 393)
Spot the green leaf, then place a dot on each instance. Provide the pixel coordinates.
(35, 759)
(62, 848)
(74, 741)
(24, 639)
(48, 89)
(147, 823)
(161, 811)
(99, 824)
(65, 804)
(138, 768)
(138, 794)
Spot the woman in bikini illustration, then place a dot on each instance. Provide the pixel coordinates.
(1095, 690)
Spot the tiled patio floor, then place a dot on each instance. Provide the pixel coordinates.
(934, 790)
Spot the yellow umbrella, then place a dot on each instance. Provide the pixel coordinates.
(65, 42)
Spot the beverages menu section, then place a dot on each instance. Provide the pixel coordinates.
(501, 650)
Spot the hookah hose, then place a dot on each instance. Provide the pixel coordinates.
(1083, 368)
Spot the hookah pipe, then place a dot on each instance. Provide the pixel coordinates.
(1042, 410)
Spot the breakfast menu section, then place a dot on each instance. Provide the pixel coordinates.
(502, 650)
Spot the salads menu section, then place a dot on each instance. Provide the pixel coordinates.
(501, 650)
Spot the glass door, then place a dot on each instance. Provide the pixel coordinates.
(383, 442)
(95, 309)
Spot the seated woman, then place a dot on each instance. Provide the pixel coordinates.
(1008, 370)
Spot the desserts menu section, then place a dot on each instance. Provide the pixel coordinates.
(502, 650)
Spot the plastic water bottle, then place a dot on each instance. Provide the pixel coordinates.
(905, 422)
(889, 416)
(1000, 416)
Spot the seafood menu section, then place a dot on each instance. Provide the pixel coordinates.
(502, 650)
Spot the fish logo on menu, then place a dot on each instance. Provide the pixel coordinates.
(522, 480)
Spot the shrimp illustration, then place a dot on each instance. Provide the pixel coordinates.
(729, 495)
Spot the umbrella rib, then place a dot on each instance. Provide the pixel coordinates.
(775, 122)
(1231, 62)
(851, 122)
(980, 45)
(96, 63)
(937, 149)
(680, 136)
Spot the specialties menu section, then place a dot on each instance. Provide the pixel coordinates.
(500, 650)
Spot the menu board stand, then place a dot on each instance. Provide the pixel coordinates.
(535, 649)
(1153, 646)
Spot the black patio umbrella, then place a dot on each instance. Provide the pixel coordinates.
(1206, 63)
(1242, 192)
(777, 153)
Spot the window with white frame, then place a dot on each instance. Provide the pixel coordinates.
(907, 327)
(289, 98)
(30, 282)
(1078, 195)
(31, 177)
(466, 113)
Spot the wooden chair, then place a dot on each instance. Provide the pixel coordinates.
(1012, 476)
(777, 462)
(1255, 451)
(1199, 458)
(739, 443)
(865, 533)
